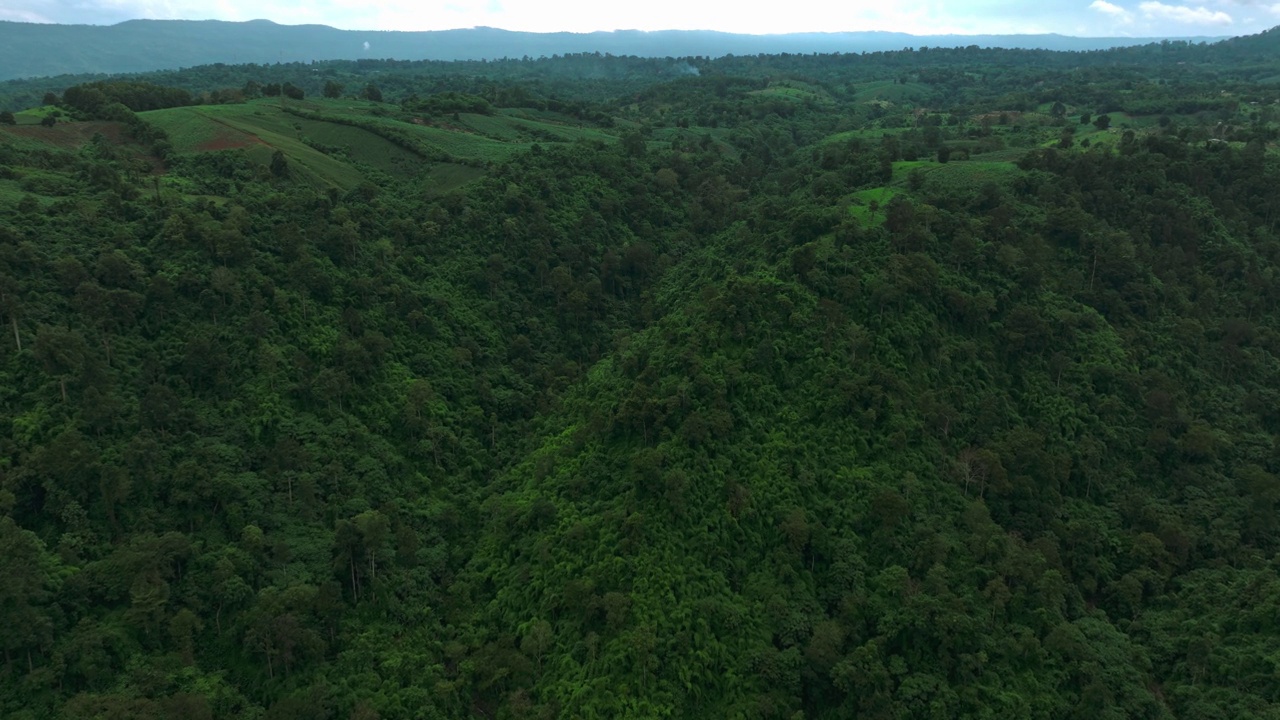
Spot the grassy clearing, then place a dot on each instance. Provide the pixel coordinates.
(334, 134)
(356, 143)
(867, 206)
(865, 134)
(903, 167)
(364, 147)
(312, 163)
(564, 133)
(958, 173)
(199, 129)
(258, 128)
(461, 145)
(476, 137)
(33, 116)
(504, 129)
(510, 128)
(261, 128)
(973, 173)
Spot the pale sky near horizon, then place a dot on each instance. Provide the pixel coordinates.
(1134, 18)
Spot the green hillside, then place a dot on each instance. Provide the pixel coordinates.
(335, 142)
(645, 395)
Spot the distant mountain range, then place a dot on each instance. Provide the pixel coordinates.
(35, 50)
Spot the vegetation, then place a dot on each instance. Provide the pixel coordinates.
(44, 50)
(807, 386)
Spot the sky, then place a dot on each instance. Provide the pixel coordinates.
(1093, 18)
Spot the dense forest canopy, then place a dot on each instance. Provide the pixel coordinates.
(929, 383)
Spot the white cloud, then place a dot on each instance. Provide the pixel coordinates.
(1183, 14)
(1114, 11)
(1147, 18)
(21, 15)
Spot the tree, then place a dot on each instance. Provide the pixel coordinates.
(48, 120)
(50, 99)
(62, 353)
(23, 622)
(279, 164)
(333, 89)
(1102, 122)
(7, 118)
(372, 92)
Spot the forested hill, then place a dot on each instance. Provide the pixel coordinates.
(922, 384)
(35, 50)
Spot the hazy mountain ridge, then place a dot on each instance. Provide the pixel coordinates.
(33, 50)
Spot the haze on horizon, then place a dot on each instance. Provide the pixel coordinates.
(1086, 18)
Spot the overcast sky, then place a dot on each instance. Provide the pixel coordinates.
(1068, 17)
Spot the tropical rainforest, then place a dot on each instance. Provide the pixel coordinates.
(920, 384)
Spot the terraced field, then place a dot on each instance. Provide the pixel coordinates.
(64, 135)
(336, 142)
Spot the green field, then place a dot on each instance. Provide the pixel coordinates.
(518, 128)
(958, 173)
(336, 137)
(258, 129)
(194, 129)
(865, 135)
(864, 200)
(976, 172)
(33, 116)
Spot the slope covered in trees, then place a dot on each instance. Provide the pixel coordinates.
(838, 391)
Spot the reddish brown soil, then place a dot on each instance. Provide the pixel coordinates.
(71, 135)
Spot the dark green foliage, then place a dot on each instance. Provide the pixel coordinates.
(91, 98)
(784, 403)
(279, 165)
(448, 103)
